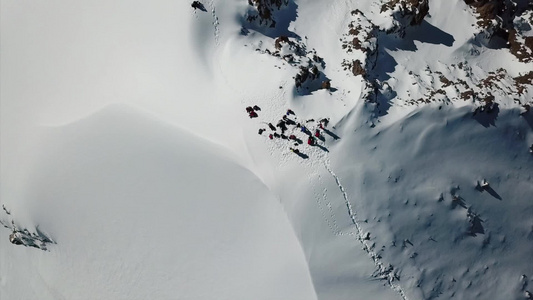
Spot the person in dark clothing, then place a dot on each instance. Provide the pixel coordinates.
(295, 150)
(276, 134)
(283, 136)
(290, 112)
(271, 127)
(249, 109)
(198, 5)
(261, 130)
(325, 121)
(282, 126)
(257, 108)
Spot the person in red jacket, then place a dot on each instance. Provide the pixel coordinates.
(311, 141)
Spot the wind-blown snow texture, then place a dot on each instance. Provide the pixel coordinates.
(131, 167)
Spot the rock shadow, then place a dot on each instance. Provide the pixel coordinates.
(425, 33)
(281, 19)
(528, 116)
(475, 225)
(487, 116)
(382, 64)
(312, 85)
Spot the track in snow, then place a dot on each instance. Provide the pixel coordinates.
(216, 23)
(385, 272)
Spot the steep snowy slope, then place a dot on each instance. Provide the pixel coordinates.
(433, 159)
(424, 100)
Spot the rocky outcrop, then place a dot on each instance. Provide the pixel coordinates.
(407, 12)
(264, 11)
(508, 20)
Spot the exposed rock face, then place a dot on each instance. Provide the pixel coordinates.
(505, 19)
(357, 68)
(265, 11)
(411, 12)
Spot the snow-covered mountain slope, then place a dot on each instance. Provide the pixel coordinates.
(125, 141)
(141, 209)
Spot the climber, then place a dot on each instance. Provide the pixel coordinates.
(317, 133)
(295, 150)
(261, 130)
(256, 108)
(311, 141)
(252, 114)
(249, 109)
(198, 5)
(290, 112)
(271, 127)
(281, 125)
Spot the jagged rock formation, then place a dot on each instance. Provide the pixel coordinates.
(264, 11)
(405, 13)
(455, 81)
(311, 66)
(508, 20)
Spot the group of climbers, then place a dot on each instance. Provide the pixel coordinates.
(286, 121)
(252, 111)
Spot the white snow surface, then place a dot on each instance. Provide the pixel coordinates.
(124, 138)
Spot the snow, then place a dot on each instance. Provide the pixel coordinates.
(124, 139)
(150, 212)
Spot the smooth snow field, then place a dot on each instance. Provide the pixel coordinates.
(130, 165)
